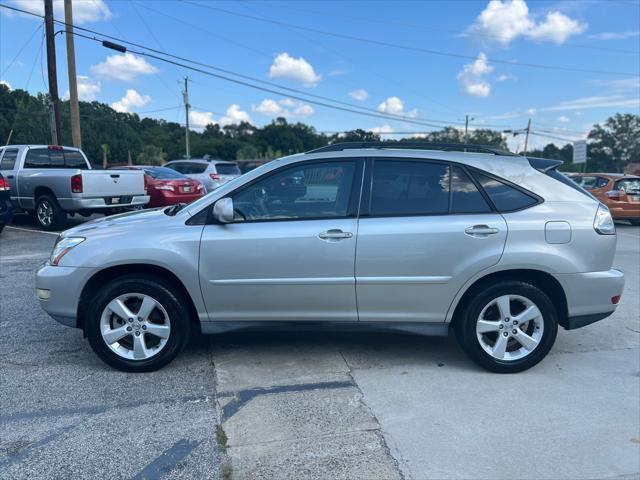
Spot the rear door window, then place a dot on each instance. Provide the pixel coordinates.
(74, 159)
(227, 169)
(37, 158)
(629, 185)
(506, 198)
(9, 159)
(409, 188)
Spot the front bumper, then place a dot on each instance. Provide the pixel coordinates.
(62, 286)
(590, 296)
(101, 203)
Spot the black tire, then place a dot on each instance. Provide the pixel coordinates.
(57, 218)
(635, 222)
(469, 314)
(165, 294)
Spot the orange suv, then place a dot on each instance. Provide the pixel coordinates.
(621, 193)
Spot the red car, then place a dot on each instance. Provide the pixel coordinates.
(168, 187)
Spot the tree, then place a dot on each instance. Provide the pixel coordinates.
(615, 144)
(357, 135)
(151, 155)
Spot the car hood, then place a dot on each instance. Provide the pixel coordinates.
(142, 219)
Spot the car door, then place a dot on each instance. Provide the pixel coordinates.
(289, 254)
(425, 228)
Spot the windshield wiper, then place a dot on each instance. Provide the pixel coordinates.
(172, 210)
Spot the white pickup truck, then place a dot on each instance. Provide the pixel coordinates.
(50, 181)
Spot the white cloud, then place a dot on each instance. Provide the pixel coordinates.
(563, 119)
(596, 102)
(6, 84)
(556, 28)
(504, 21)
(615, 35)
(472, 77)
(384, 129)
(84, 11)
(620, 84)
(531, 111)
(506, 77)
(286, 107)
(359, 94)
(200, 119)
(395, 106)
(124, 67)
(234, 115)
(87, 89)
(295, 69)
(131, 100)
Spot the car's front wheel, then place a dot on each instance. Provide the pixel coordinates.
(137, 323)
(508, 327)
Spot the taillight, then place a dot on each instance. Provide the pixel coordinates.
(603, 223)
(146, 183)
(4, 185)
(199, 187)
(215, 177)
(76, 183)
(613, 195)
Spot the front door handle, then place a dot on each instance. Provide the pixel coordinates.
(334, 234)
(480, 231)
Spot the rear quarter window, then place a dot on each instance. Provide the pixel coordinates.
(629, 185)
(506, 198)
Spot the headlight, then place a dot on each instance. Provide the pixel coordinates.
(603, 223)
(62, 246)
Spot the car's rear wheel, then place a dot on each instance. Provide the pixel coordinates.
(48, 213)
(137, 323)
(508, 327)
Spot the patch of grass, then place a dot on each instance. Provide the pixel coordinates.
(221, 438)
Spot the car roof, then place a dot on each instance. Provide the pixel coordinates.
(23, 145)
(200, 160)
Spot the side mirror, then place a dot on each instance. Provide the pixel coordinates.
(223, 210)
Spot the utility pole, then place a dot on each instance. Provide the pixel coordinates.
(73, 79)
(51, 67)
(526, 138)
(185, 96)
(466, 127)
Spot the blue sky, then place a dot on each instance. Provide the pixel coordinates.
(422, 87)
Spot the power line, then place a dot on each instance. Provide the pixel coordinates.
(409, 47)
(20, 51)
(439, 29)
(366, 110)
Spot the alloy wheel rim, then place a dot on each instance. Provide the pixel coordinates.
(510, 327)
(135, 326)
(45, 213)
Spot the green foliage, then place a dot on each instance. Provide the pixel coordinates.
(151, 141)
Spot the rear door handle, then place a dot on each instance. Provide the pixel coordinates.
(334, 234)
(480, 231)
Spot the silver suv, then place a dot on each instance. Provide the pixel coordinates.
(416, 238)
(210, 173)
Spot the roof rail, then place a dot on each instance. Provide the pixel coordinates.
(447, 147)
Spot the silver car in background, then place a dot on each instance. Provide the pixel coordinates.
(417, 238)
(211, 173)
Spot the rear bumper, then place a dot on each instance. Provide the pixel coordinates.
(162, 199)
(589, 296)
(75, 204)
(629, 211)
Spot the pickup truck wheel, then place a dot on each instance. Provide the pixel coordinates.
(48, 214)
(137, 323)
(508, 327)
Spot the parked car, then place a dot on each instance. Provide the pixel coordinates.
(6, 210)
(398, 237)
(166, 186)
(50, 181)
(621, 193)
(211, 173)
